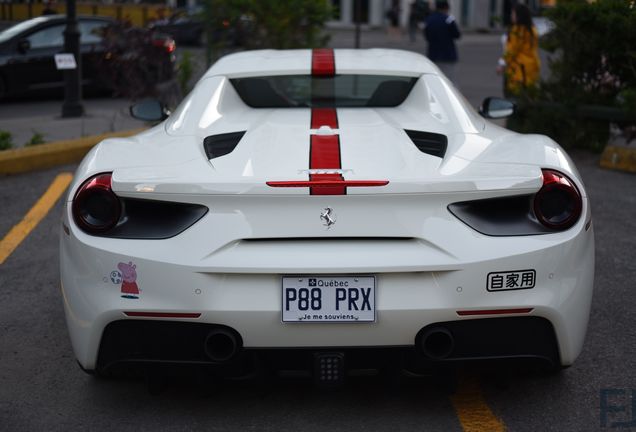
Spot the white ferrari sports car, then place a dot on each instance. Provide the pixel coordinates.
(325, 211)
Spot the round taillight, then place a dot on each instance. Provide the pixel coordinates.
(96, 209)
(558, 203)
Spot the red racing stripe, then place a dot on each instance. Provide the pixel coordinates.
(324, 117)
(324, 153)
(325, 176)
(322, 62)
(324, 150)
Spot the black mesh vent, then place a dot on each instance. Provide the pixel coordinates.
(429, 143)
(220, 145)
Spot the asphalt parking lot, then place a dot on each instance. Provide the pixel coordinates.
(41, 387)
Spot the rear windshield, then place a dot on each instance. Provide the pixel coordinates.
(285, 91)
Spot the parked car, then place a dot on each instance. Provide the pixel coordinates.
(27, 52)
(326, 211)
(185, 26)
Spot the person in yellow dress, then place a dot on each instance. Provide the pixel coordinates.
(520, 62)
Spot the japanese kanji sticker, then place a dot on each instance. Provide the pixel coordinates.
(512, 280)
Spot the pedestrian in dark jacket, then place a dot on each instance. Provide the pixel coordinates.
(440, 32)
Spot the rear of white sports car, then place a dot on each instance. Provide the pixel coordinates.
(325, 212)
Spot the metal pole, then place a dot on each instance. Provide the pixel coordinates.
(358, 18)
(72, 106)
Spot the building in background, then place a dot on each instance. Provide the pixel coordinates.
(471, 14)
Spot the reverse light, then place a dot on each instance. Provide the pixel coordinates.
(558, 203)
(96, 209)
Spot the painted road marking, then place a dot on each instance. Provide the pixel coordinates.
(472, 410)
(40, 209)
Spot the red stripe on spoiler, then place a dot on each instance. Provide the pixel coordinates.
(327, 183)
(324, 150)
(322, 62)
(324, 153)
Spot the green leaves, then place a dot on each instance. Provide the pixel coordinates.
(593, 65)
(6, 140)
(288, 24)
(272, 23)
(594, 46)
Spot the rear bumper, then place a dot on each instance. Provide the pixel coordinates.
(142, 342)
(239, 285)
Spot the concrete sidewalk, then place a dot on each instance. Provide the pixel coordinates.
(25, 118)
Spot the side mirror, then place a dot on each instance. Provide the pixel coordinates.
(150, 110)
(23, 46)
(497, 108)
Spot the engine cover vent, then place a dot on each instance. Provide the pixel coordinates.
(222, 144)
(428, 142)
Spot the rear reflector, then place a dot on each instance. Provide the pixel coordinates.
(328, 183)
(163, 314)
(495, 312)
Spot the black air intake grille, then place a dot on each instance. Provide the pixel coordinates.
(429, 143)
(220, 145)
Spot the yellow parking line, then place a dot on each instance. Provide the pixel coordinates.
(19, 232)
(472, 410)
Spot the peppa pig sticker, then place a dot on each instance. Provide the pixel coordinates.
(128, 279)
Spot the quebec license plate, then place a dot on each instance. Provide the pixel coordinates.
(328, 299)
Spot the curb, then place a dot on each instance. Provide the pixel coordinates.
(54, 153)
(619, 158)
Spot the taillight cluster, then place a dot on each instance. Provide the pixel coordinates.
(558, 203)
(96, 209)
(99, 212)
(166, 43)
(557, 206)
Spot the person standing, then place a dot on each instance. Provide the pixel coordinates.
(418, 11)
(520, 63)
(393, 15)
(440, 32)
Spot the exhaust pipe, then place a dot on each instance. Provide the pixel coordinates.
(221, 345)
(437, 343)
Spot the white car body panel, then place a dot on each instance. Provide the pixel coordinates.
(428, 264)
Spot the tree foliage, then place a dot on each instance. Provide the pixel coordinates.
(287, 24)
(595, 45)
(256, 24)
(593, 62)
(135, 61)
